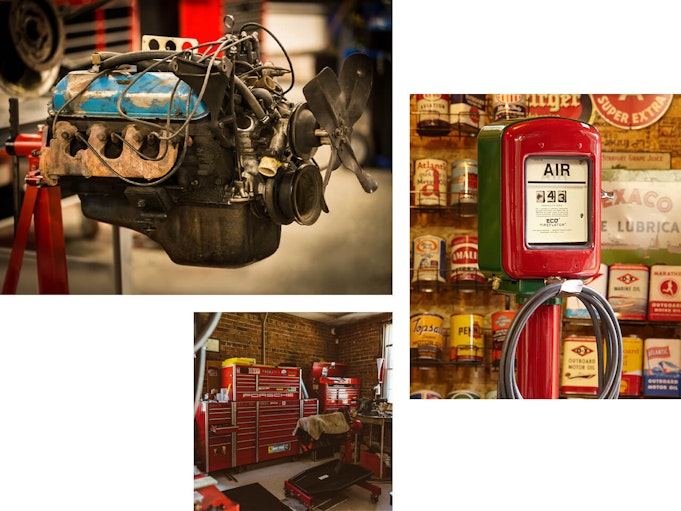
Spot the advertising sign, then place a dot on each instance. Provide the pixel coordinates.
(632, 111)
(641, 223)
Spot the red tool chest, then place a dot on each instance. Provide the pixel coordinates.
(254, 382)
(337, 393)
(216, 430)
(253, 428)
(326, 369)
(332, 388)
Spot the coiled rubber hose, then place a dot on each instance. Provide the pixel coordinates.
(607, 330)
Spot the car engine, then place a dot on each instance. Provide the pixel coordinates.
(197, 147)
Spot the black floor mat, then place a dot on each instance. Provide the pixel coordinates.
(254, 497)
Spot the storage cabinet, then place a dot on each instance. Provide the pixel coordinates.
(329, 383)
(216, 427)
(242, 433)
(456, 217)
(335, 393)
(255, 382)
(257, 424)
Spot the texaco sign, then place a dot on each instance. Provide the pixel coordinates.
(631, 111)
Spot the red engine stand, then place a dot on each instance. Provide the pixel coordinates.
(538, 354)
(43, 204)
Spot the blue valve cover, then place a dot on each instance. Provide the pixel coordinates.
(148, 98)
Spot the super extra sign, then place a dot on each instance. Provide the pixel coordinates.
(632, 111)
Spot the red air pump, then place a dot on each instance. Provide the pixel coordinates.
(539, 217)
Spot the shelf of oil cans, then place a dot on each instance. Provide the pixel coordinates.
(438, 185)
(437, 265)
(462, 115)
(647, 303)
(458, 361)
(461, 361)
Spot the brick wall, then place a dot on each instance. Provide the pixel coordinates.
(288, 339)
(299, 342)
(359, 344)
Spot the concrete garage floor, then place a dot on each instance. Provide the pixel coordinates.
(348, 251)
(273, 475)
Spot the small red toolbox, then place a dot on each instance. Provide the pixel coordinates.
(337, 393)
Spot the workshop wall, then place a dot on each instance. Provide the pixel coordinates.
(299, 342)
(288, 339)
(658, 145)
(359, 345)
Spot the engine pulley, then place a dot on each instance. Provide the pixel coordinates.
(295, 195)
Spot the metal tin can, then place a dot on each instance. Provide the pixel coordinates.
(430, 182)
(463, 186)
(579, 369)
(426, 335)
(632, 367)
(432, 114)
(468, 112)
(425, 394)
(466, 339)
(661, 367)
(628, 290)
(464, 261)
(501, 322)
(664, 297)
(463, 394)
(429, 254)
(509, 106)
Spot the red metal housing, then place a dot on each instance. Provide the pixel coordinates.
(554, 138)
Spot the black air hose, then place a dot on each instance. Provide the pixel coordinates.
(598, 309)
(111, 60)
(251, 100)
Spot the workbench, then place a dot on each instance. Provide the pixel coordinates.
(376, 420)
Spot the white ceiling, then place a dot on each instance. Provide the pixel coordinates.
(335, 318)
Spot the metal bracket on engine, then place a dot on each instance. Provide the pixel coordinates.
(159, 42)
(56, 160)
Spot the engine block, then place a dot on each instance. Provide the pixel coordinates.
(199, 149)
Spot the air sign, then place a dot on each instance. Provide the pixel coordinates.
(556, 200)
